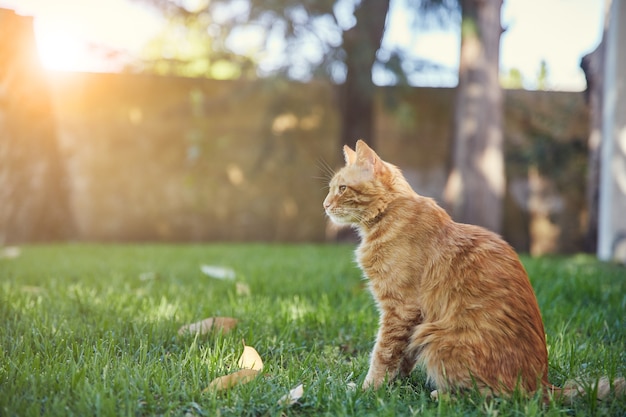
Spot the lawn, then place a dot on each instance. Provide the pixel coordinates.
(92, 330)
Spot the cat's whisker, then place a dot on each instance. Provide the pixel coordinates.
(325, 179)
(326, 169)
(321, 162)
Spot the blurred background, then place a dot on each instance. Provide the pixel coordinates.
(218, 120)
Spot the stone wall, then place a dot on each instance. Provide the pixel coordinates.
(176, 159)
(155, 158)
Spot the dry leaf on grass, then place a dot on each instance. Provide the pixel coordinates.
(242, 376)
(148, 276)
(10, 252)
(251, 365)
(292, 396)
(242, 289)
(223, 324)
(250, 359)
(218, 272)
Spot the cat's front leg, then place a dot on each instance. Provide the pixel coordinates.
(389, 349)
(377, 372)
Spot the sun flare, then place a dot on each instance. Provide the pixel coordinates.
(63, 52)
(87, 35)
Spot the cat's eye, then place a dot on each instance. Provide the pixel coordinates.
(342, 188)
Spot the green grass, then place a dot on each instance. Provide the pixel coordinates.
(91, 330)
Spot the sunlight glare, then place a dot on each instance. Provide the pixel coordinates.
(62, 52)
(88, 35)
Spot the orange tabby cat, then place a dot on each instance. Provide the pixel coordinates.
(452, 296)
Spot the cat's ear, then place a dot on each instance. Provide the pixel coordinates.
(367, 156)
(349, 155)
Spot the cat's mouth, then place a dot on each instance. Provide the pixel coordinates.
(340, 217)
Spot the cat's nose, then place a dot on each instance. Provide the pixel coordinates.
(326, 204)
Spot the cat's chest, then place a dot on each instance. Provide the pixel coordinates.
(385, 269)
(373, 261)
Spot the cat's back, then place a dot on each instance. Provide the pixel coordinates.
(477, 267)
(478, 297)
(474, 250)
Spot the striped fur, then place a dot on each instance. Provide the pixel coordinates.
(452, 297)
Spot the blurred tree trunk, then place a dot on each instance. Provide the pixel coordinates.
(476, 183)
(593, 66)
(360, 44)
(34, 196)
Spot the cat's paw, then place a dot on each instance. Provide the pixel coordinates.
(443, 396)
(367, 384)
(371, 383)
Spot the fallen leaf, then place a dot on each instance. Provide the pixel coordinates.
(31, 289)
(10, 252)
(434, 395)
(242, 376)
(243, 289)
(251, 364)
(147, 276)
(218, 272)
(223, 324)
(293, 396)
(250, 359)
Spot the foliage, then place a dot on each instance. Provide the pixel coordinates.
(92, 330)
(336, 40)
(299, 39)
(183, 48)
(259, 29)
(549, 146)
(513, 79)
(542, 76)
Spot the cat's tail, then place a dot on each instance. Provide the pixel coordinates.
(597, 390)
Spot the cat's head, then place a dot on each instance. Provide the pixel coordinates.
(363, 188)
